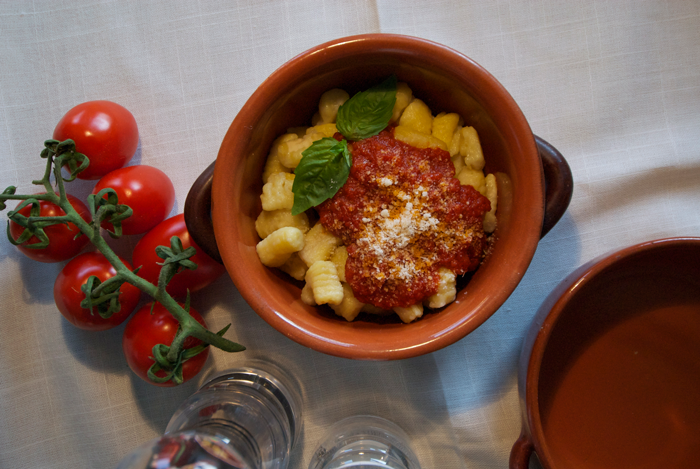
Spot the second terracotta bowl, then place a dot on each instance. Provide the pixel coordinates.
(447, 81)
(610, 370)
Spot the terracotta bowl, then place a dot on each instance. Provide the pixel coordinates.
(445, 80)
(610, 369)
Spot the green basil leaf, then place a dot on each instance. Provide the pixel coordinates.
(368, 112)
(322, 171)
(346, 156)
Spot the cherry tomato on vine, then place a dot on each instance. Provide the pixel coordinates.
(67, 293)
(63, 243)
(104, 131)
(145, 256)
(146, 329)
(147, 190)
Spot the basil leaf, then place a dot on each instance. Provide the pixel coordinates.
(322, 171)
(368, 112)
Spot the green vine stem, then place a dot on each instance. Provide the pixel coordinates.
(64, 155)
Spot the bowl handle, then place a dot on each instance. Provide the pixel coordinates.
(558, 181)
(520, 453)
(198, 214)
(559, 187)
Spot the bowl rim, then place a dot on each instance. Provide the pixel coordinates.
(545, 321)
(304, 331)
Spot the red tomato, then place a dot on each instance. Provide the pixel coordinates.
(146, 329)
(67, 293)
(61, 246)
(103, 131)
(145, 256)
(147, 190)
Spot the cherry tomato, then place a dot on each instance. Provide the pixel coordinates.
(147, 190)
(146, 329)
(67, 293)
(102, 130)
(62, 245)
(145, 256)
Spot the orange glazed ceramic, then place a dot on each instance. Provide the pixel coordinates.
(445, 80)
(610, 370)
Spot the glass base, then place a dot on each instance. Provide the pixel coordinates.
(188, 449)
(365, 441)
(254, 409)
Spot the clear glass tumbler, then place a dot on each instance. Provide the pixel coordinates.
(243, 418)
(365, 441)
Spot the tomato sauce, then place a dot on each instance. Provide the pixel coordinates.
(402, 215)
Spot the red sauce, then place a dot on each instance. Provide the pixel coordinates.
(402, 215)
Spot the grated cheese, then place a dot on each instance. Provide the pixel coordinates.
(399, 226)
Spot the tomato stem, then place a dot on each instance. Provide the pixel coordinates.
(177, 343)
(107, 284)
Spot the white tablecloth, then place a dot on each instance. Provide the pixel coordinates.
(614, 85)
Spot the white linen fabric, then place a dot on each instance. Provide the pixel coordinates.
(614, 85)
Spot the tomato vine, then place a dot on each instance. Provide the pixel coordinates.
(107, 209)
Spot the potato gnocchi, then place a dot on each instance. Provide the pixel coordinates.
(309, 252)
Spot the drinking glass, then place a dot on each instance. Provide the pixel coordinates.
(365, 441)
(242, 418)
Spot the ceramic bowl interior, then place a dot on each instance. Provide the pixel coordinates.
(446, 81)
(620, 364)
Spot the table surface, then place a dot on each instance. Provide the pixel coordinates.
(614, 85)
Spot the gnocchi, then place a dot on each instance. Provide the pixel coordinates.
(278, 247)
(309, 252)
